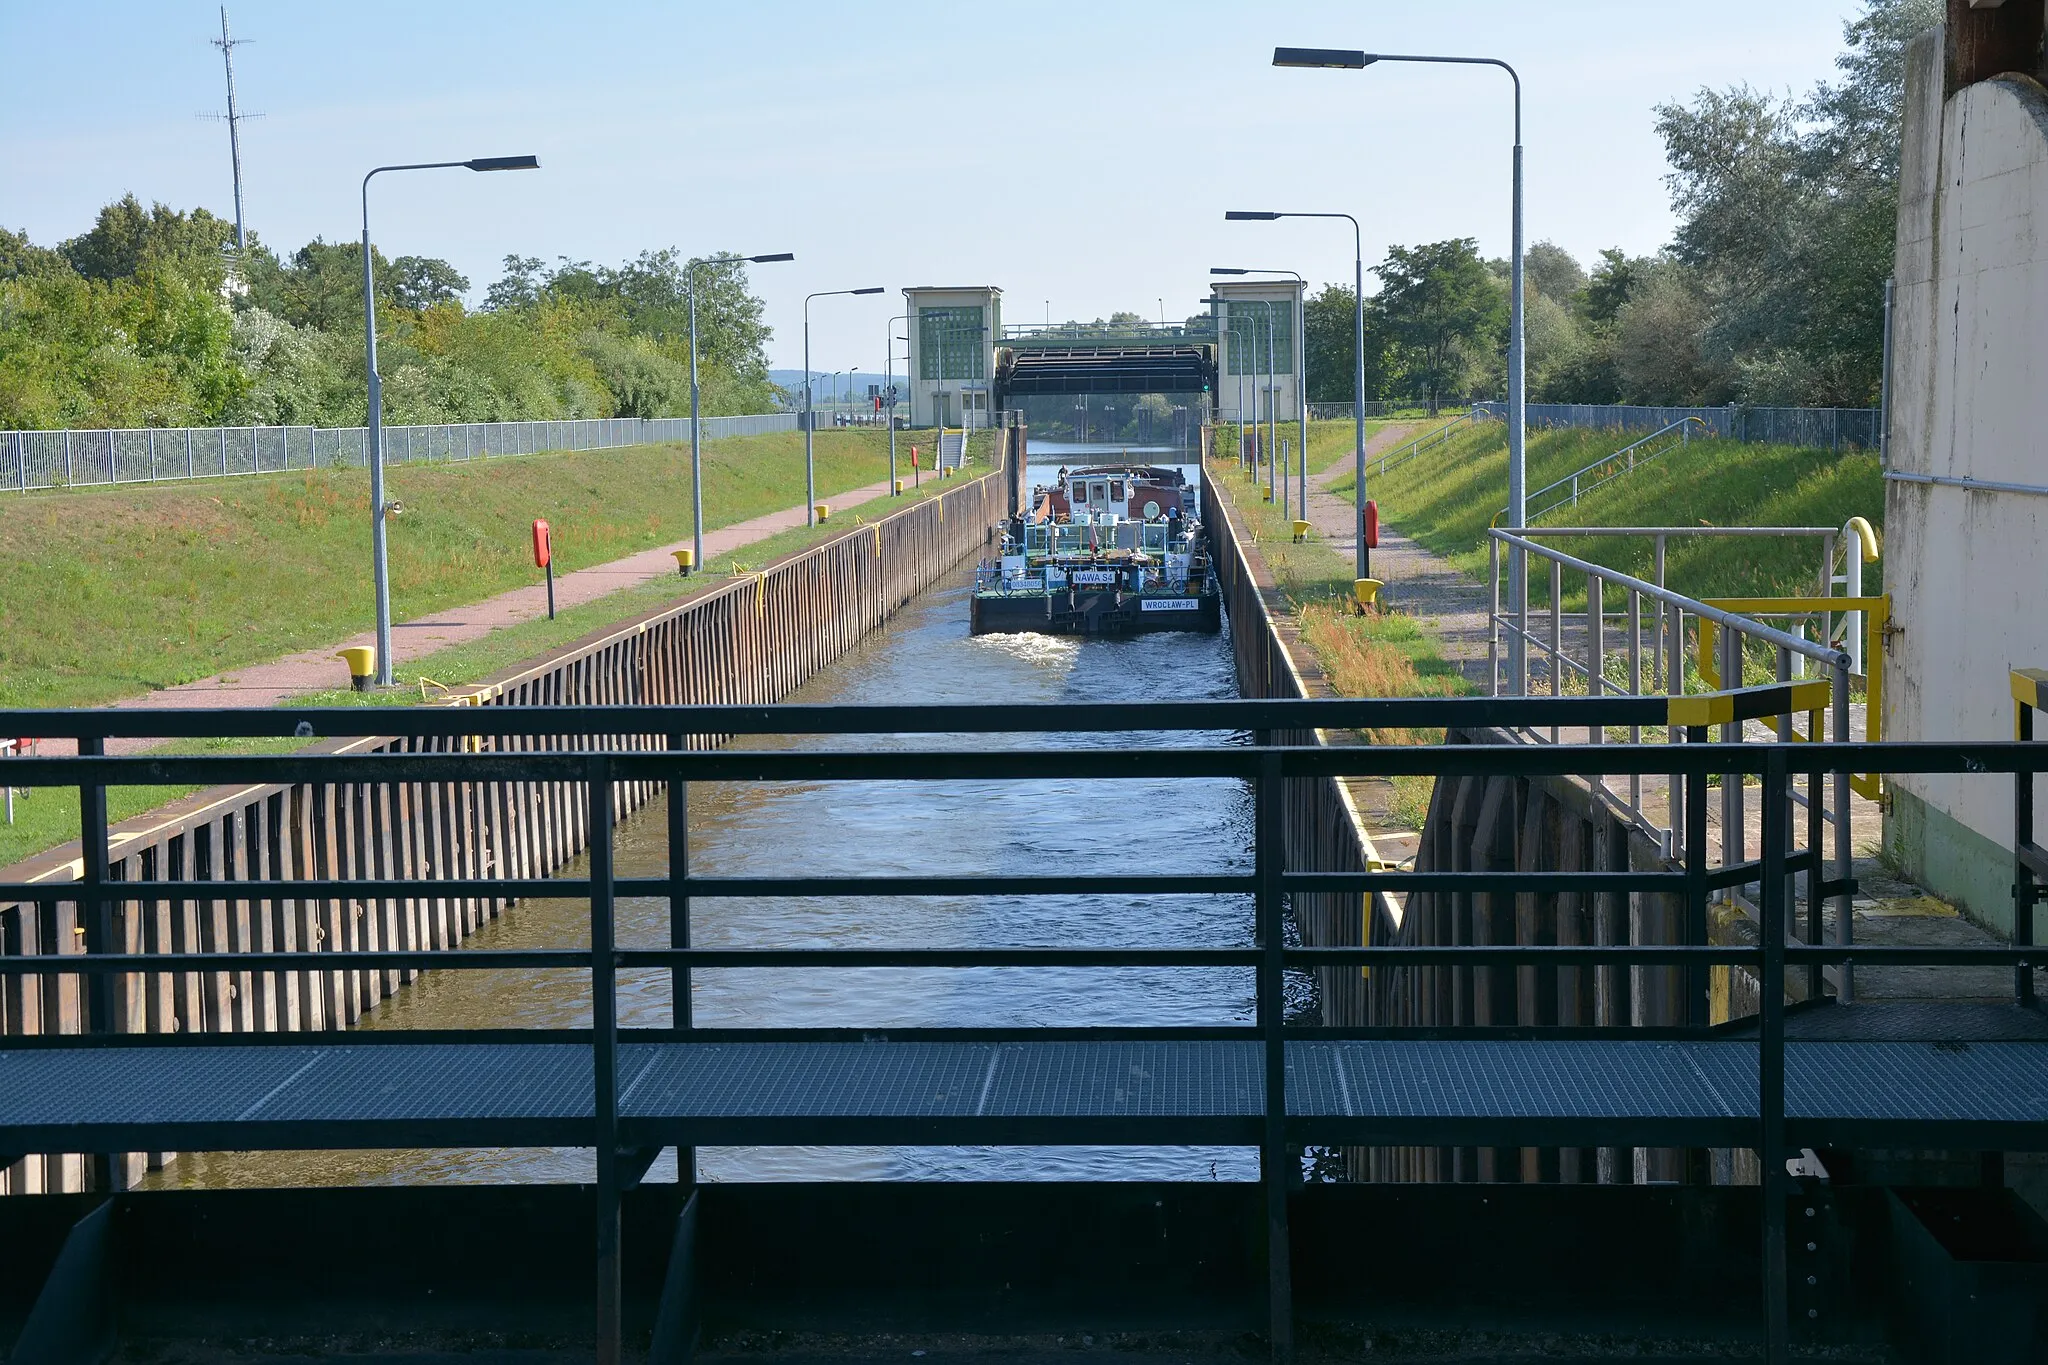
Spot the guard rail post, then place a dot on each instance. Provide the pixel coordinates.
(1771, 1146)
(2029, 691)
(1845, 848)
(1275, 1173)
(604, 1051)
(682, 1004)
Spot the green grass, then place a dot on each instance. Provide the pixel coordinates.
(1448, 497)
(1386, 654)
(47, 817)
(113, 593)
(1328, 442)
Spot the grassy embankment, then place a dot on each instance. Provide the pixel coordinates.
(1387, 654)
(1446, 498)
(744, 477)
(117, 592)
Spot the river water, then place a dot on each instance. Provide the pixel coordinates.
(882, 829)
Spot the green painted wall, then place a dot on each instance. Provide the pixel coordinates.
(1953, 861)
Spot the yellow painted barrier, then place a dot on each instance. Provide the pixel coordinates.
(362, 665)
(1877, 616)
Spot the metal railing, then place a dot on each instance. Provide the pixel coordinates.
(1397, 456)
(1275, 1106)
(1565, 492)
(1377, 408)
(1818, 428)
(1638, 638)
(117, 455)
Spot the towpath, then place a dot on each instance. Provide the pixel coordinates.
(318, 670)
(1418, 582)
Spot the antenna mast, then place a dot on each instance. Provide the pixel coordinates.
(227, 54)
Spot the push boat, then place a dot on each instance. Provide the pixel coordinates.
(1106, 550)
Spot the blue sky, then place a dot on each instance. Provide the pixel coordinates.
(1080, 155)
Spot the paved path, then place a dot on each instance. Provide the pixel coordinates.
(1419, 583)
(317, 670)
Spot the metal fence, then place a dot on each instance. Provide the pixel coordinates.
(1818, 428)
(73, 459)
(1339, 412)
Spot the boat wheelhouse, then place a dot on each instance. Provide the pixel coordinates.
(1108, 550)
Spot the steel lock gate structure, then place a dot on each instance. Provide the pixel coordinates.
(630, 1093)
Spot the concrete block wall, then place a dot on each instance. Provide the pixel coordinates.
(1968, 382)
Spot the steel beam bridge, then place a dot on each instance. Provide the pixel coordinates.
(1767, 1082)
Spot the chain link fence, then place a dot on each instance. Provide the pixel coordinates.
(1338, 412)
(79, 459)
(1815, 428)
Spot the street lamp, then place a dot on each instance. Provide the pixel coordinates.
(1300, 369)
(810, 415)
(696, 422)
(1518, 582)
(1272, 420)
(890, 339)
(1364, 553)
(1229, 352)
(379, 570)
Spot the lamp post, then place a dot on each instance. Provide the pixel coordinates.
(889, 339)
(379, 569)
(1364, 552)
(1300, 370)
(810, 413)
(1231, 358)
(1518, 567)
(1272, 424)
(696, 420)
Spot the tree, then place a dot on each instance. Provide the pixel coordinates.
(420, 282)
(1660, 353)
(1554, 272)
(1610, 285)
(1439, 300)
(1787, 212)
(1332, 328)
(125, 235)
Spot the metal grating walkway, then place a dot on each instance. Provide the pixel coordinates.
(128, 1098)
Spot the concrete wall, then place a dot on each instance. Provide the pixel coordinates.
(749, 641)
(1969, 378)
(935, 401)
(1241, 310)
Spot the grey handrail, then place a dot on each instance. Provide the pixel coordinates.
(1626, 452)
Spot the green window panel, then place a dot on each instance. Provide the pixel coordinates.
(952, 340)
(1247, 340)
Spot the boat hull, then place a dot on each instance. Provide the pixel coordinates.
(1094, 611)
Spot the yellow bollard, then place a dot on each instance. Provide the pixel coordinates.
(362, 665)
(823, 510)
(1265, 495)
(1367, 591)
(899, 488)
(1300, 532)
(686, 560)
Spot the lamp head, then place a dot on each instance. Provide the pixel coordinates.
(503, 163)
(1329, 58)
(777, 256)
(876, 290)
(1227, 270)
(1248, 216)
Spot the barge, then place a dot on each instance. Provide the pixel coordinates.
(1106, 550)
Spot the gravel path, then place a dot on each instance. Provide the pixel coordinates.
(1419, 583)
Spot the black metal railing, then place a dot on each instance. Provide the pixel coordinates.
(596, 763)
